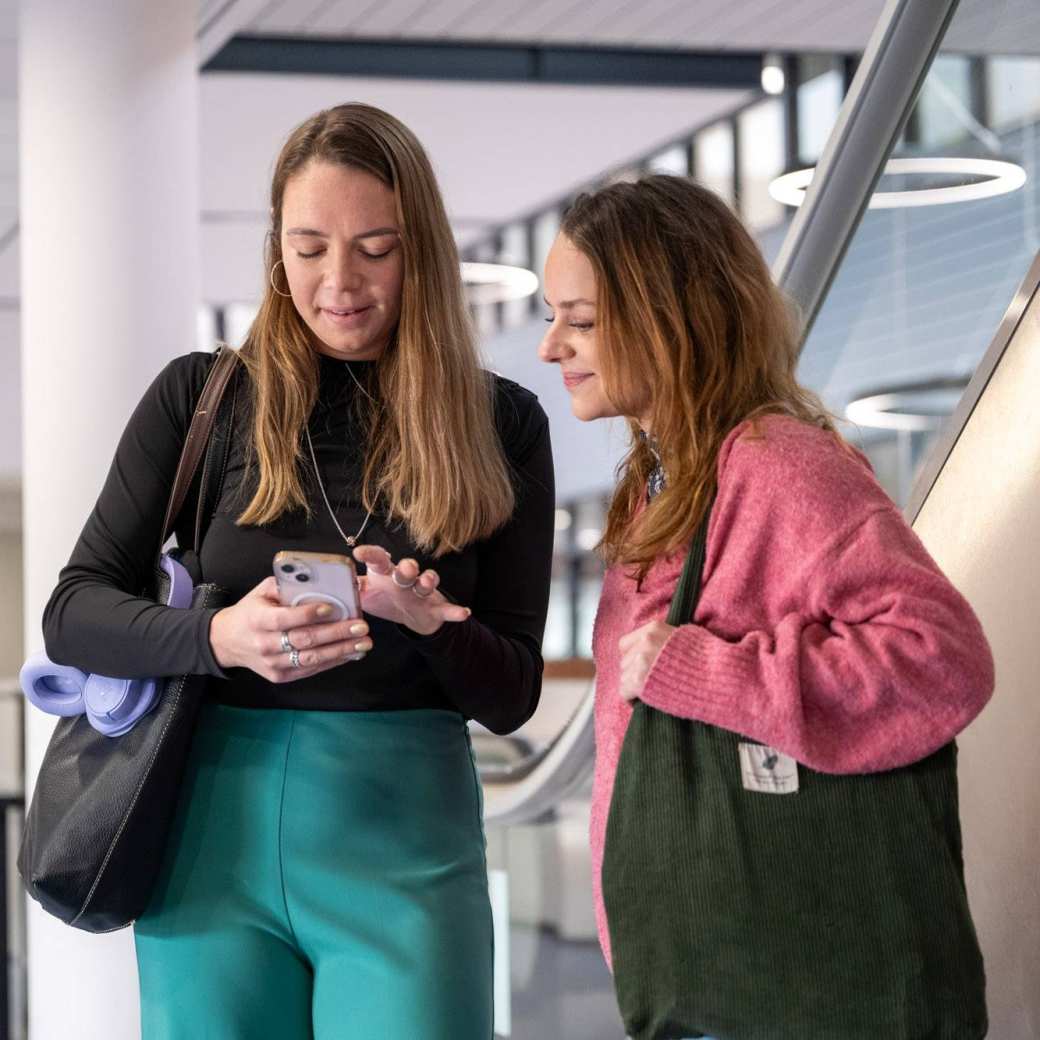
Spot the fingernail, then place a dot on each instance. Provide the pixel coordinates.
(363, 644)
(468, 612)
(324, 610)
(359, 629)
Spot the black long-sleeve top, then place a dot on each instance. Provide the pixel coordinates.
(487, 667)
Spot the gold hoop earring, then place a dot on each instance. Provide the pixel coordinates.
(270, 278)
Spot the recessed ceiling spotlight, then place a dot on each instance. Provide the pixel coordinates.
(773, 78)
(497, 283)
(1000, 178)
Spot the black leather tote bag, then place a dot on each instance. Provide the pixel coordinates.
(101, 810)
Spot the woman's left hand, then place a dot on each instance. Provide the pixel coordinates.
(639, 650)
(412, 600)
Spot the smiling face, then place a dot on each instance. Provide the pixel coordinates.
(341, 243)
(571, 340)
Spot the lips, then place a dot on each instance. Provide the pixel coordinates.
(575, 379)
(346, 316)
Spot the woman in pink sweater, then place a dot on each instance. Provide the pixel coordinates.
(824, 629)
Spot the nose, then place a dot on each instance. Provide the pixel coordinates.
(554, 345)
(343, 272)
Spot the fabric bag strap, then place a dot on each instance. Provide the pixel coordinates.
(688, 590)
(199, 432)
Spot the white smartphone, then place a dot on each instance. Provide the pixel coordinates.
(308, 577)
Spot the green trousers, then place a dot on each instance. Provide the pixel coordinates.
(325, 878)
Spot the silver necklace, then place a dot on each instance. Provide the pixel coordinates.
(351, 540)
(350, 372)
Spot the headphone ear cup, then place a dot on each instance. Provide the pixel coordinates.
(113, 706)
(54, 688)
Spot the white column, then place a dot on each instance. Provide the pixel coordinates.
(109, 227)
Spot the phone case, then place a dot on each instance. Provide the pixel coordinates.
(306, 577)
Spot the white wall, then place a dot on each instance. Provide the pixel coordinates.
(981, 523)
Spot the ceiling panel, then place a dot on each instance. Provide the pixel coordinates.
(583, 22)
(996, 26)
(439, 17)
(484, 21)
(609, 15)
(388, 18)
(207, 8)
(735, 23)
(345, 17)
(8, 19)
(289, 16)
(828, 28)
(656, 25)
(529, 21)
(686, 22)
(1012, 26)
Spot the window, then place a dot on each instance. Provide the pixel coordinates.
(760, 130)
(713, 159)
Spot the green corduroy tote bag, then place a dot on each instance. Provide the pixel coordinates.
(751, 898)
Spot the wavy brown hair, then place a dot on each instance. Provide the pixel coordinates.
(693, 334)
(434, 459)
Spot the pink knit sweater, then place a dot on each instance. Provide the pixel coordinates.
(824, 628)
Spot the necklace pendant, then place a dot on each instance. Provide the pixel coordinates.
(351, 541)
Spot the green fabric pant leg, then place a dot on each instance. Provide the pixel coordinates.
(325, 878)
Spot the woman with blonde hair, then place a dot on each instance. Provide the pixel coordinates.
(326, 873)
(774, 821)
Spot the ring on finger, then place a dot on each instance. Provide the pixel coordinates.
(401, 584)
(294, 658)
(287, 647)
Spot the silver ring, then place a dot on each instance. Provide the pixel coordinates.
(401, 584)
(287, 647)
(294, 658)
(421, 595)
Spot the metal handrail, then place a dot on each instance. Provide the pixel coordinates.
(562, 768)
(528, 753)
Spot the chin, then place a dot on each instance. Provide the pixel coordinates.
(585, 413)
(349, 347)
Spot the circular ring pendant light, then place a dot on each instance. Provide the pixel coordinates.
(1000, 178)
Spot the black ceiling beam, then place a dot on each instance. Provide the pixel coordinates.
(488, 62)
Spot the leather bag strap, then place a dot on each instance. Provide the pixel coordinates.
(199, 433)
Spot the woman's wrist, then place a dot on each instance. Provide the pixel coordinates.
(425, 627)
(216, 638)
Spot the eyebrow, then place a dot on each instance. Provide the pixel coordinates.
(565, 304)
(374, 233)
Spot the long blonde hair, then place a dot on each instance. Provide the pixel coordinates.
(434, 459)
(686, 307)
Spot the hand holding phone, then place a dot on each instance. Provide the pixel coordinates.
(310, 577)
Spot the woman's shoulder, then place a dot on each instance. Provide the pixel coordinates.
(793, 467)
(520, 419)
(782, 444)
(176, 388)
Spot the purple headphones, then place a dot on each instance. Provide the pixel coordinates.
(112, 706)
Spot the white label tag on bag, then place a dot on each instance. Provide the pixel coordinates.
(767, 770)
